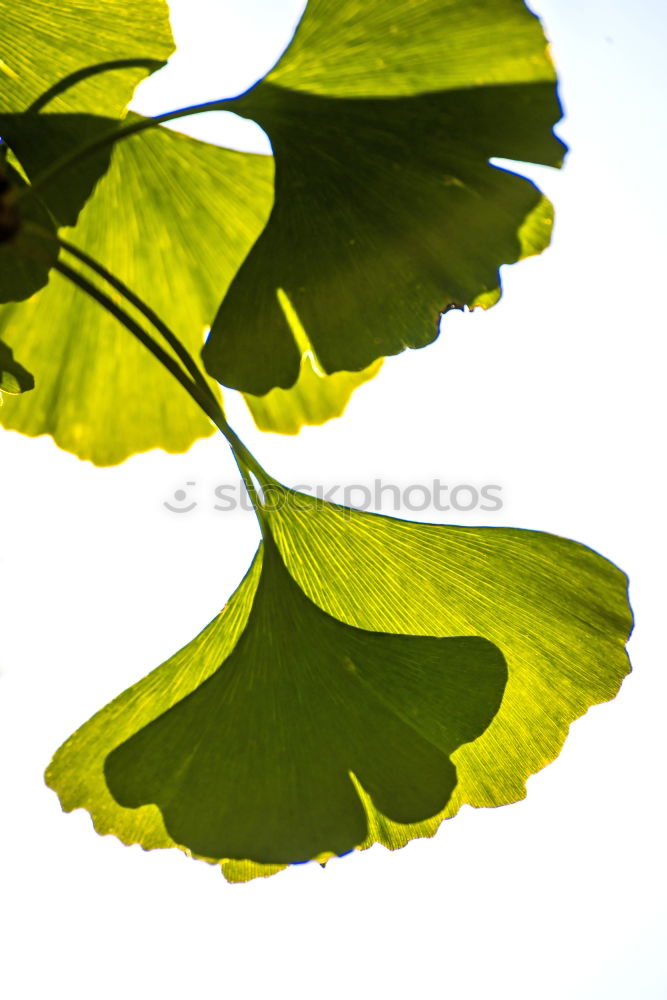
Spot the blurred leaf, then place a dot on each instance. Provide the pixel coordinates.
(46, 42)
(325, 663)
(387, 213)
(172, 218)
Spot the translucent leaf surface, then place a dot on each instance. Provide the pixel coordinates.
(257, 761)
(43, 42)
(313, 399)
(173, 217)
(557, 610)
(312, 716)
(383, 118)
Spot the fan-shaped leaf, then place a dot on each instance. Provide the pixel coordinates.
(303, 702)
(43, 43)
(173, 217)
(387, 213)
(557, 610)
(256, 761)
(246, 738)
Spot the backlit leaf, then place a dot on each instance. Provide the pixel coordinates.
(330, 645)
(173, 217)
(557, 610)
(387, 213)
(315, 397)
(264, 758)
(42, 46)
(43, 42)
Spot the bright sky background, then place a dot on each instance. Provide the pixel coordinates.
(557, 394)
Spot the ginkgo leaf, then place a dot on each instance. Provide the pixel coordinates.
(14, 378)
(28, 247)
(76, 772)
(43, 43)
(38, 140)
(557, 610)
(387, 212)
(49, 48)
(303, 702)
(265, 757)
(172, 218)
(315, 397)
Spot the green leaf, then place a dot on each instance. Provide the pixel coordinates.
(172, 218)
(76, 772)
(45, 42)
(387, 212)
(28, 247)
(303, 702)
(257, 761)
(343, 625)
(47, 46)
(38, 140)
(315, 397)
(557, 610)
(14, 378)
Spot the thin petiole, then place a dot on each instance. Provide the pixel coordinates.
(178, 348)
(83, 74)
(138, 331)
(206, 401)
(116, 134)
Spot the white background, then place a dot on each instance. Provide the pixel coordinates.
(557, 395)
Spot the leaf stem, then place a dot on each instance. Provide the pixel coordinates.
(202, 395)
(83, 74)
(116, 134)
(178, 348)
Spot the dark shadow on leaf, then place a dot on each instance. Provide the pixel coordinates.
(39, 140)
(28, 245)
(14, 378)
